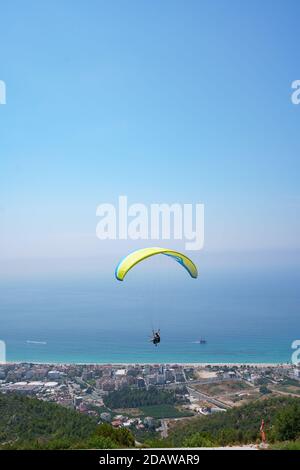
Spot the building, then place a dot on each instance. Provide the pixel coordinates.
(149, 422)
(77, 401)
(106, 417)
(108, 386)
(50, 384)
(82, 408)
(120, 373)
(55, 374)
(152, 380)
(169, 375)
(116, 423)
(140, 382)
(23, 388)
(160, 379)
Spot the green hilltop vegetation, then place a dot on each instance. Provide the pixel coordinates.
(164, 411)
(239, 425)
(155, 402)
(134, 398)
(28, 423)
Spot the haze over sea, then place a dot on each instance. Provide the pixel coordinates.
(246, 315)
(163, 104)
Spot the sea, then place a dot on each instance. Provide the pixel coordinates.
(245, 317)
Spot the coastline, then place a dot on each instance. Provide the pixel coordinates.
(132, 364)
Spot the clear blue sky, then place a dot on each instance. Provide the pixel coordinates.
(164, 101)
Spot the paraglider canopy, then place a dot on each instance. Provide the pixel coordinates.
(137, 256)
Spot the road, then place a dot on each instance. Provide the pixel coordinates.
(164, 428)
(199, 382)
(203, 396)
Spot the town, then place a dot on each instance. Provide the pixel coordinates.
(108, 392)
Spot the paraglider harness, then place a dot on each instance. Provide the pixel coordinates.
(156, 337)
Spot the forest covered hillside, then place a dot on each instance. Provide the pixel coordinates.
(28, 423)
(31, 423)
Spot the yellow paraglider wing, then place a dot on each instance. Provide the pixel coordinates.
(137, 256)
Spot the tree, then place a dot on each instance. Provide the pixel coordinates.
(264, 390)
(199, 439)
(287, 423)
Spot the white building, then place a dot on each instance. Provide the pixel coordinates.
(55, 374)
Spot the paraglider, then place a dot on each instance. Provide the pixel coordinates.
(127, 263)
(155, 337)
(136, 257)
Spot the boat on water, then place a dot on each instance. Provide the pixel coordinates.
(29, 341)
(200, 341)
